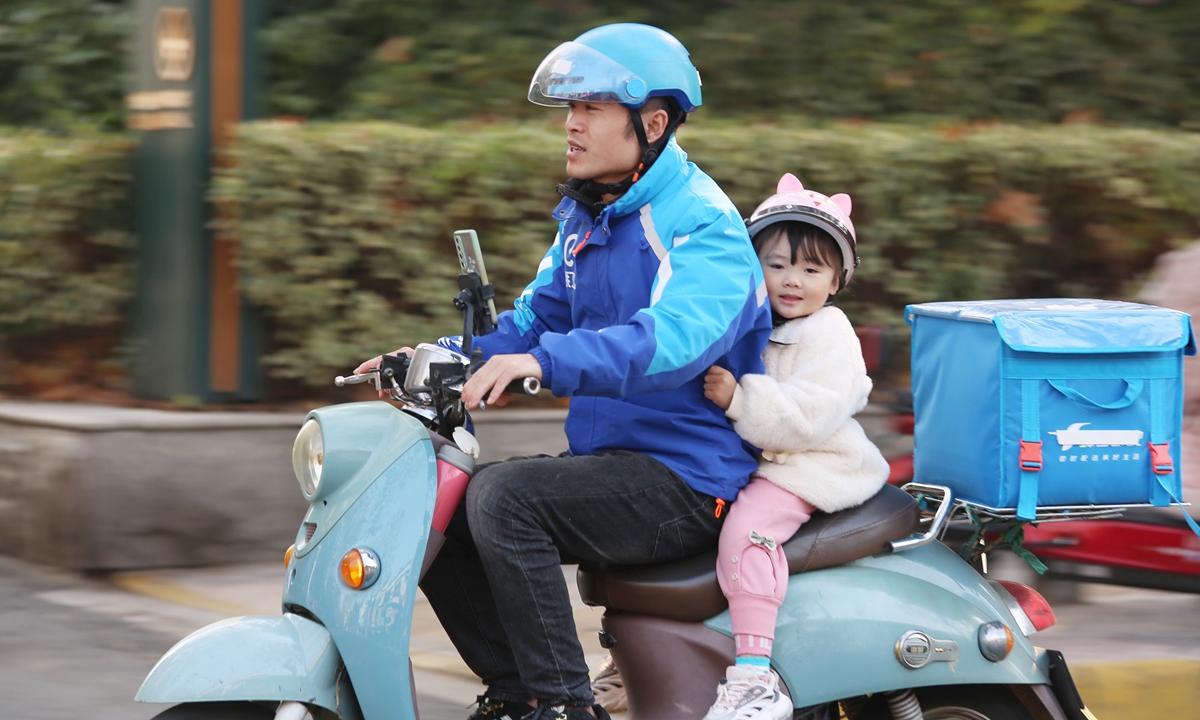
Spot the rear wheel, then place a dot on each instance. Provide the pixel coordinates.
(956, 702)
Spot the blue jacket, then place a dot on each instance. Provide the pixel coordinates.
(630, 308)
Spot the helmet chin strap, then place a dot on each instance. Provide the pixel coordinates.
(649, 155)
(590, 192)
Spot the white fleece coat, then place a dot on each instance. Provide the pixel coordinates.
(801, 413)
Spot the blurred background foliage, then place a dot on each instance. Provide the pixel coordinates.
(994, 148)
(423, 61)
(346, 228)
(1017, 60)
(62, 62)
(66, 267)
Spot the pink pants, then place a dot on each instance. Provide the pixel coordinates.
(754, 576)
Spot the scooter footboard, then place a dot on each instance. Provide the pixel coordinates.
(254, 658)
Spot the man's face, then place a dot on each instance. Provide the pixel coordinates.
(600, 145)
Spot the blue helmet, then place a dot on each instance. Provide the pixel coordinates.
(625, 63)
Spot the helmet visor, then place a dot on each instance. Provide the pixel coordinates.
(576, 73)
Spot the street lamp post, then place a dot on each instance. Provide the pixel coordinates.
(195, 74)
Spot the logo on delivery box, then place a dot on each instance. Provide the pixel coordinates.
(1076, 435)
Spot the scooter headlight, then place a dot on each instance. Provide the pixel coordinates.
(308, 457)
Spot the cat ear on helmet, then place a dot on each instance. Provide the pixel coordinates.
(843, 201)
(788, 183)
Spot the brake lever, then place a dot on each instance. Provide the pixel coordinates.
(371, 377)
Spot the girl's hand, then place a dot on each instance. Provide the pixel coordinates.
(719, 386)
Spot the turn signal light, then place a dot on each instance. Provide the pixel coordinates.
(287, 556)
(360, 568)
(995, 640)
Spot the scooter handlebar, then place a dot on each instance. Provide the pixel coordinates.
(524, 386)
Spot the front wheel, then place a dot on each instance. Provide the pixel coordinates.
(217, 711)
(956, 702)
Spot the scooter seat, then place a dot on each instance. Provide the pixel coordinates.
(687, 589)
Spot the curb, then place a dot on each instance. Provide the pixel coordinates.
(1141, 689)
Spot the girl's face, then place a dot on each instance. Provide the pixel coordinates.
(799, 289)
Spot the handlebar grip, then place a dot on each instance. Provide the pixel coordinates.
(524, 386)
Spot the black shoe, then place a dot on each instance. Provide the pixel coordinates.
(559, 712)
(825, 711)
(489, 709)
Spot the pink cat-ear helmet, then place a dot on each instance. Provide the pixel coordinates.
(832, 214)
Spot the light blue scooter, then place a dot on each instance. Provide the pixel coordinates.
(880, 621)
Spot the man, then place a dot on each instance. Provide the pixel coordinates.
(651, 280)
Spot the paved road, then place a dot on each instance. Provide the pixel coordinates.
(61, 661)
(77, 647)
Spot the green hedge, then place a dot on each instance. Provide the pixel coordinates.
(346, 228)
(64, 233)
(1126, 61)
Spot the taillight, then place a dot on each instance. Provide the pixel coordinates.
(1030, 603)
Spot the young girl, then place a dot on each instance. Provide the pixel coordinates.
(815, 456)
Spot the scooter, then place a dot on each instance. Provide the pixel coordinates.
(880, 621)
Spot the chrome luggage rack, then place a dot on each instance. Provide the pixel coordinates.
(1047, 513)
(940, 509)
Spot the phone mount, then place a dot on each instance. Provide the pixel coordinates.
(472, 300)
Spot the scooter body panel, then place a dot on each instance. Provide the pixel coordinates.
(254, 658)
(838, 630)
(372, 626)
(361, 441)
(377, 492)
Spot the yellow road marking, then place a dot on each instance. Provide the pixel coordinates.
(154, 586)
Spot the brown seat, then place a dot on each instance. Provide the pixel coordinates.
(687, 589)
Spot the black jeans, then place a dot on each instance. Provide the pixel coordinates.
(496, 585)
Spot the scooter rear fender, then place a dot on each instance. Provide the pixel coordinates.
(838, 630)
(254, 658)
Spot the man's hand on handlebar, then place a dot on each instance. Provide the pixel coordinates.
(489, 382)
(374, 362)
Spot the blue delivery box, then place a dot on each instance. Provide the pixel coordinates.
(1049, 403)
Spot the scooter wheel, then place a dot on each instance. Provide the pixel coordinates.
(217, 711)
(956, 702)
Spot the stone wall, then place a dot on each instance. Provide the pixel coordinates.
(92, 487)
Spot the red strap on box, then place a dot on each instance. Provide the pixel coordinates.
(1160, 459)
(1031, 455)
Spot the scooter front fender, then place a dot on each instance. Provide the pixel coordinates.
(254, 658)
(838, 630)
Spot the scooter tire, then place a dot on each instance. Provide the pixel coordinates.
(956, 702)
(217, 711)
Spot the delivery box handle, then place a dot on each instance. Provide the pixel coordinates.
(1133, 389)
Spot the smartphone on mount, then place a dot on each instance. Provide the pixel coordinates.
(470, 259)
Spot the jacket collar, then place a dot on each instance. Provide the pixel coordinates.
(666, 171)
(789, 332)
